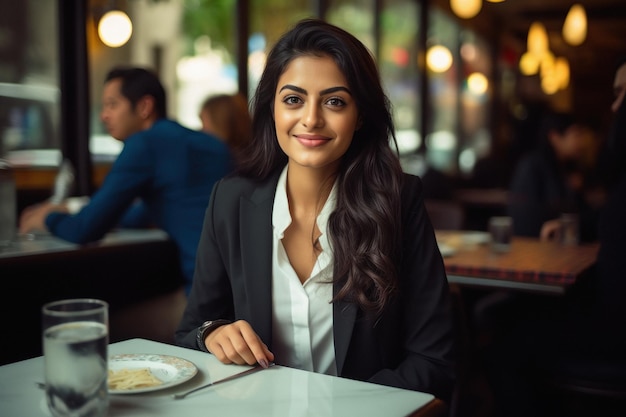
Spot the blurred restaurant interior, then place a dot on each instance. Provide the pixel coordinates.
(468, 88)
(464, 91)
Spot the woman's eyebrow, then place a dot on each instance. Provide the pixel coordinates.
(294, 88)
(323, 92)
(335, 89)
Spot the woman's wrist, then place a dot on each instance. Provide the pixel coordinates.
(205, 329)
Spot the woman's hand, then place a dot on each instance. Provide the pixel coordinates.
(238, 343)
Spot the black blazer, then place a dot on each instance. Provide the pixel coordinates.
(409, 346)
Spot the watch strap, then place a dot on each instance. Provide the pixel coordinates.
(206, 328)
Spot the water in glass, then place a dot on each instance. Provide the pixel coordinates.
(76, 369)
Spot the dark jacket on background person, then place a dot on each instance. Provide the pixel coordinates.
(541, 186)
(539, 193)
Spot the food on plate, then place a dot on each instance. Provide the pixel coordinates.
(128, 379)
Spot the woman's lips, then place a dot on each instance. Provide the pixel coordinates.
(312, 140)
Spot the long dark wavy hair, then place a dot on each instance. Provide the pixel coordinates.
(365, 228)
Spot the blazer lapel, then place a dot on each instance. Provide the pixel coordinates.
(256, 248)
(344, 315)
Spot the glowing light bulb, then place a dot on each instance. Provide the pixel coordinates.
(562, 72)
(466, 9)
(537, 42)
(115, 28)
(477, 83)
(438, 58)
(529, 64)
(575, 25)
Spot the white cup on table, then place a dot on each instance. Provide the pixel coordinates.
(75, 344)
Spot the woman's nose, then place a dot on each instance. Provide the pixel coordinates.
(312, 117)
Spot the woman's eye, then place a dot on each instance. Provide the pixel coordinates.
(336, 102)
(292, 100)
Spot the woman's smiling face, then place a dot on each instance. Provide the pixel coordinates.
(315, 113)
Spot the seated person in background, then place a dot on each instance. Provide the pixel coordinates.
(552, 179)
(170, 169)
(227, 117)
(583, 334)
(319, 255)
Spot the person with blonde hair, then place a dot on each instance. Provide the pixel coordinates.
(227, 117)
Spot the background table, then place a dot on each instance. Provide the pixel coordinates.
(277, 392)
(530, 265)
(125, 268)
(493, 291)
(38, 244)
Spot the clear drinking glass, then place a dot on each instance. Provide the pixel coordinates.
(75, 343)
(569, 229)
(501, 231)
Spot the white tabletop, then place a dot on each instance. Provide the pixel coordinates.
(277, 391)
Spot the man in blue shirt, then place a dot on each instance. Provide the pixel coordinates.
(163, 176)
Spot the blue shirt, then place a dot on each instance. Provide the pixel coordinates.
(170, 170)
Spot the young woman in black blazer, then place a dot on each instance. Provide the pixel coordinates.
(319, 253)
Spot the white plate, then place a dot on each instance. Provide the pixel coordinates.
(169, 369)
(476, 238)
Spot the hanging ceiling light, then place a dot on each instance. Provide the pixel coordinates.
(561, 69)
(466, 9)
(115, 28)
(575, 25)
(546, 66)
(477, 83)
(495, 1)
(549, 84)
(529, 64)
(537, 42)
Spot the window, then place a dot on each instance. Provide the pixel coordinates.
(399, 68)
(29, 83)
(441, 118)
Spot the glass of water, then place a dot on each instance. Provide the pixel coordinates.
(501, 231)
(75, 342)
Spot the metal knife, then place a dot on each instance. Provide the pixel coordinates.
(182, 395)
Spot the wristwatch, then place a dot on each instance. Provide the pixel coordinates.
(206, 328)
